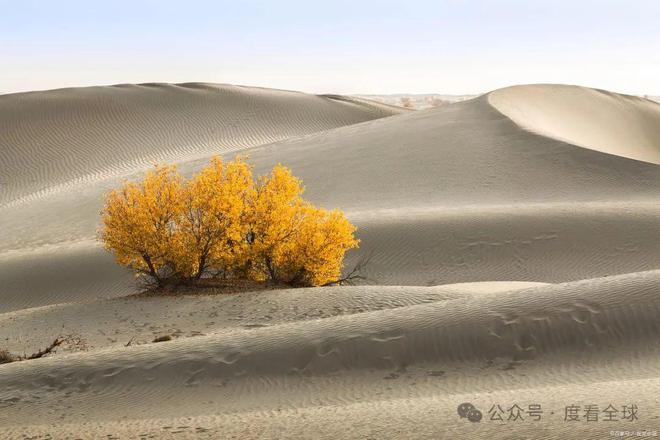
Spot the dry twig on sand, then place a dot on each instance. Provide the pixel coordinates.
(6, 357)
(41, 353)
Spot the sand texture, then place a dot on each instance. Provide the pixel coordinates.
(514, 258)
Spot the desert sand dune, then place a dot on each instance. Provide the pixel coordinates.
(454, 194)
(146, 318)
(541, 340)
(388, 333)
(617, 124)
(425, 417)
(51, 138)
(513, 246)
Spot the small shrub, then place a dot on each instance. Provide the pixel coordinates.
(6, 357)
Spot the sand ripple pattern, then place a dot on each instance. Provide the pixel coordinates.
(562, 230)
(54, 138)
(297, 364)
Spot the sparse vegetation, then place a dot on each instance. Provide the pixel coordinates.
(223, 225)
(6, 357)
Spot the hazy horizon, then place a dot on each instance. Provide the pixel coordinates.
(370, 47)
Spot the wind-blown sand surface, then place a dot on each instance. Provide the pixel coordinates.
(59, 137)
(514, 241)
(618, 124)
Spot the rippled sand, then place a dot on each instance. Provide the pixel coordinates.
(511, 263)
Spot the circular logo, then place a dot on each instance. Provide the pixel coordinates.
(468, 411)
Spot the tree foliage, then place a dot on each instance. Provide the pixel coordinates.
(221, 223)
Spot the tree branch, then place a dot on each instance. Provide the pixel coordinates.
(356, 274)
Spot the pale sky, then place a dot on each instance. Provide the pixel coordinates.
(334, 46)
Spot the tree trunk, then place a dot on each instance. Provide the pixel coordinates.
(202, 266)
(271, 269)
(152, 270)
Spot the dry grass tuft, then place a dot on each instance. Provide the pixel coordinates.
(6, 357)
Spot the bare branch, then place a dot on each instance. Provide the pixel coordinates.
(355, 274)
(41, 353)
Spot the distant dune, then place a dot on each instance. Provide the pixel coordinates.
(417, 101)
(60, 150)
(513, 243)
(617, 124)
(56, 137)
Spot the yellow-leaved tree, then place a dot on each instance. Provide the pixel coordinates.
(139, 224)
(221, 224)
(293, 241)
(215, 206)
